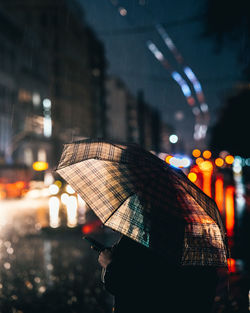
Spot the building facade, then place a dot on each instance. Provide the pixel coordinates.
(131, 119)
(61, 92)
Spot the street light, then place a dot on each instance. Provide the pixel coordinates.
(173, 138)
(40, 166)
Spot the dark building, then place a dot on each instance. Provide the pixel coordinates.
(131, 119)
(74, 106)
(23, 85)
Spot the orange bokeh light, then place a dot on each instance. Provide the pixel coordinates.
(168, 158)
(229, 206)
(91, 227)
(192, 177)
(13, 190)
(219, 193)
(196, 153)
(231, 263)
(199, 160)
(40, 166)
(207, 154)
(229, 159)
(219, 162)
(206, 166)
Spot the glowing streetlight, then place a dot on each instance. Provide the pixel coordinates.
(173, 138)
(192, 176)
(207, 154)
(196, 153)
(40, 166)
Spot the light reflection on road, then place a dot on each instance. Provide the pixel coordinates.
(44, 269)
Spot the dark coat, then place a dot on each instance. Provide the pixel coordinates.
(144, 282)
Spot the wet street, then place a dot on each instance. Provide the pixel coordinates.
(51, 270)
(48, 270)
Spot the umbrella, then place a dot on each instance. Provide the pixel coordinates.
(136, 193)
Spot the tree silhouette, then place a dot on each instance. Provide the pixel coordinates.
(228, 23)
(231, 132)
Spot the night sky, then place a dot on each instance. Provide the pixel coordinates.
(129, 58)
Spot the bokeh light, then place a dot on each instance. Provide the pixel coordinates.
(168, 158)
(53, 189)
(229, 159)
(196, 153)
(40, 166)
(70, 190)
(192, 176)
(219, 162)
(199, 160)
(173, 138)
(206, 166)
(207, 154)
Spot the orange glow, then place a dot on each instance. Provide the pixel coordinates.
(229, 207)
(192, 177)
(206, 168)
(196, 153)
(168, 158)
(89, 228)
(20, 184)
(207, 154)
(231, 265)
(219, 162)
(86, 229)
(40, 166)
(219, 193)
(229, 159)
(13, 190)
(58, 183)
(191, 101)
(199, 160)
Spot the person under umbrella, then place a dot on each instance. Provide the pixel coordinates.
(173, 237)
(143, 282)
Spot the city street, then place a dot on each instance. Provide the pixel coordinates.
(46, 269)
(129, 115)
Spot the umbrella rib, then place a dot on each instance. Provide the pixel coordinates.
(95, 158)
(117, 208)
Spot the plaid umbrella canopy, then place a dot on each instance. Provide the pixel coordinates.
(137, 194)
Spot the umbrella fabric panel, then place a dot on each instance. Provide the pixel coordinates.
(155, 176)
(130, 220)
(102, 185)
(93, 149)
(206, 203)
(203, 246)
(134, 192)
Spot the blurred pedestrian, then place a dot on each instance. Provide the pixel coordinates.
(142, 281)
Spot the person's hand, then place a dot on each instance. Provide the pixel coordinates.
(105, 257)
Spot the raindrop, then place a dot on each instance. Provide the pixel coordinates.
(7, 244)
(42, 289)
(37, 280)
(7, 265)
(74, 299)
(10, 250)
(28, 285)
(179, 115)
(50, 267)
(14, 297)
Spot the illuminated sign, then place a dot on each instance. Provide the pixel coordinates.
(40, 166)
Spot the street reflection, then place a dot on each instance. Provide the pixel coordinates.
(45, 266)
(54, 212)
